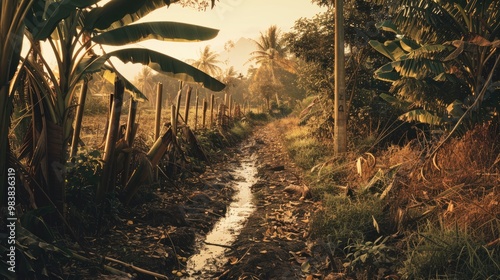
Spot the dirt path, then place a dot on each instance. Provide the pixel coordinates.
(274, 243)
(159, 231)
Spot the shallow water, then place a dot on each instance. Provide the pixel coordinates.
(211, 257)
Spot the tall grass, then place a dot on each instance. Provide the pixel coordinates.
(436, 252)
(444, 209)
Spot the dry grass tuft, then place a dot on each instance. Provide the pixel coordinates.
(458, 188)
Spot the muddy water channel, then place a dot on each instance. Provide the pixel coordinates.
(210, 255)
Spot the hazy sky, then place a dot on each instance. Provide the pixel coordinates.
(234, 19)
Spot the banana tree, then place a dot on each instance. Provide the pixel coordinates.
(12, 13)
(444, 47)
(74, 29)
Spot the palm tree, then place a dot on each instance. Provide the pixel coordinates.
(207, 62)
(144, 81)
(271, 53)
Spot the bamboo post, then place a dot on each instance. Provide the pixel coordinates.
(111, 138)
(129, 137)
(230, 105)
(212, 100)
(204, 112)
(177, 109)
(220, 115)
(79, 118)
(196, 111)
(159, 98)
(186, 105)
(173, 121)
(225, 103)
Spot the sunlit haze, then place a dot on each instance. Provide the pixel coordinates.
(234, 19)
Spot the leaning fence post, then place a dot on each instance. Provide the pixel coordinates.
(159, 97)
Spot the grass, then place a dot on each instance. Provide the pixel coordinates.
(348, 220)
(445, 212)
(435, 252)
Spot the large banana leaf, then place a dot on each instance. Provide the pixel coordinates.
(410, 68)
(166, 31)
(54, 13)
(162, 63)
(118, 13)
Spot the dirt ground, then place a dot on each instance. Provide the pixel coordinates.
(156, 235)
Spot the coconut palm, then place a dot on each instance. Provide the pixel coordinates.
(207, 62)
(144, 81)
(271, 54)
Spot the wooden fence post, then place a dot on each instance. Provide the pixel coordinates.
(212, 101)
(173, 122)
(203, 119)
(196, 111)
(129, 137)
(186, 106)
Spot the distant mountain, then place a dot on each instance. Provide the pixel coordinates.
(237, 54)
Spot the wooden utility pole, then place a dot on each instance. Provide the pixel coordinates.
(340, 130)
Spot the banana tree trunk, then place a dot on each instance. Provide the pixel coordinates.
(143, 172)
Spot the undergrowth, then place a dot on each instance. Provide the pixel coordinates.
(442, 211)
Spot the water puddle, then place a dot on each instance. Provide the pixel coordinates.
(211, 253)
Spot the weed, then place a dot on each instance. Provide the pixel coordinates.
(370, 256)
(440, 253)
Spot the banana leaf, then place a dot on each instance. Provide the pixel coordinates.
(422, 116)
(118, 13)
(388, 25)
(395, 101)
(165, 31)
(54, 13)
(390, 49)
(159, 62)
